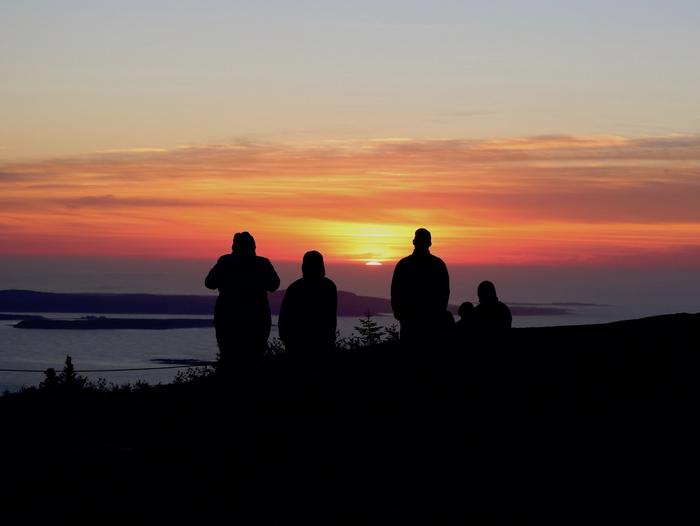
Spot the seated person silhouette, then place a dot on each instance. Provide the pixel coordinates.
(242, 314)
(420, 290)
(490, 314)
(307, 320)
(466, 317)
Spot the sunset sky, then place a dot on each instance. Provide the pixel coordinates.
(522, 134)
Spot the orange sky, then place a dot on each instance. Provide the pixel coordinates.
(556, 200)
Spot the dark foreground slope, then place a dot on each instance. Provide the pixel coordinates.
(594, 423)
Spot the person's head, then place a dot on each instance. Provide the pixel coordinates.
(312, 266)
(422, 239)
(243, 244)
(465, 309)
(487, 292)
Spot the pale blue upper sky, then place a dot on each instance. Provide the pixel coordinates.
(81, 76)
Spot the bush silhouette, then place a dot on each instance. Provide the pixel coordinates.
(68, 380)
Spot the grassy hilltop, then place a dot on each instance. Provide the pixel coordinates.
(565, 423)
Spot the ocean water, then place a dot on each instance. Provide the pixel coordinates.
(40, 349)
(112, 349)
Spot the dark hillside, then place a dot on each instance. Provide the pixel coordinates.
(562, 424)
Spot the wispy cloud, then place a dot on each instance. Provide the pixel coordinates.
(549, 198)
(131, 150)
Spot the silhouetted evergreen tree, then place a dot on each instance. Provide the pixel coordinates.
(69, 375)
(369, 330)
(69, 378)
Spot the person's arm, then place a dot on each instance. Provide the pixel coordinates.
(333, 309)
(283, 320)
(273, 280)
(444, 287)
(212, 281)
(397, 291)
(508, 316)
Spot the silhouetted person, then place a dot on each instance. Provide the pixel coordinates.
(307, 321)
(242, 314)
(490, 313)
(466, 317)
(420, 290)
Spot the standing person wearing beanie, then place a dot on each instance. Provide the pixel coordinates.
(420, 291)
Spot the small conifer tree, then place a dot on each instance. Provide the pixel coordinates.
(369, 330)
(69, 374)
(69, 379)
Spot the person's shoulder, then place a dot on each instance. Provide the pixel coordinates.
(294, 285)
(437, 262)
(327, 282)
(294, 292)
(263, 260)
(225, 258)
(483, 310)
(406, 260)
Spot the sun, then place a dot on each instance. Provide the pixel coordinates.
(373, 263)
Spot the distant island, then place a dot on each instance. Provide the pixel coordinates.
(15, 316)
(104, 323)
(349, 304)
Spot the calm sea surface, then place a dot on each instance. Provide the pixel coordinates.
(40, 349)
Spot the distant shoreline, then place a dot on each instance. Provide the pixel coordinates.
(104, 323)
(349, 304)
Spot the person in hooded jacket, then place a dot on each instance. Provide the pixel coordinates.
(242, 313)
(307, 320)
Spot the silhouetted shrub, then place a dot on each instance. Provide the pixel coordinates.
(51, 382)
(67, 381)
(275, 347)
(189, 375)
(392, 333)
(348, 343)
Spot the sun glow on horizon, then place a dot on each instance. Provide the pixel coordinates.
(540, 200)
